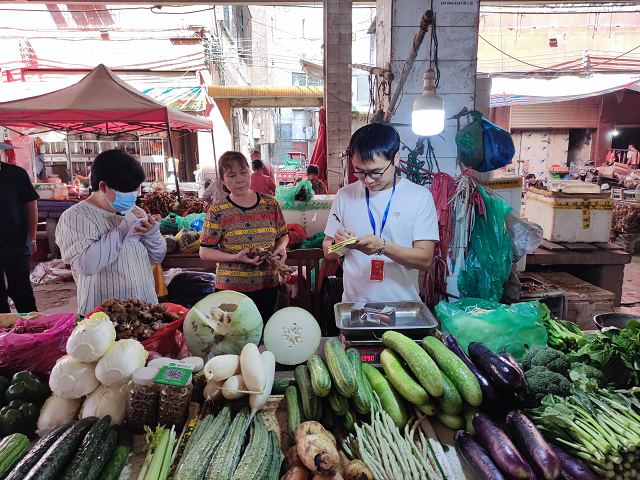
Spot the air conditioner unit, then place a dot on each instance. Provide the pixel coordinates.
(256, 133)
(308, 132)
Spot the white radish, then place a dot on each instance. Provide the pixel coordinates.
(253, 373)
(256, 402)
(213, 390)
(222, 367)
(234, 387)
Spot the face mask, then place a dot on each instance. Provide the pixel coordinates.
(123, 201)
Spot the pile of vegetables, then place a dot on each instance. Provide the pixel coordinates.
(94, 377)
(21, 397)
(137, 319)
(596, 425)
(159, 446)
(85, 450)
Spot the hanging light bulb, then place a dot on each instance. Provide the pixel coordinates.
(428, 110)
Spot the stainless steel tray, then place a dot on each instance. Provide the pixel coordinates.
(412, 319)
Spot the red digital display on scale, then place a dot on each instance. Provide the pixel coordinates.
(370, 357)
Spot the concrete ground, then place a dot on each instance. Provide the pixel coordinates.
(631, 288)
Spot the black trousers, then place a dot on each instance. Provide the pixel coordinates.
(18, 285)
(265, 300)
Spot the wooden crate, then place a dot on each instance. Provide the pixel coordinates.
(582, 300)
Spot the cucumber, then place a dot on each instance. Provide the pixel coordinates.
(453, 367)
(367, 385)
(88, 451)
(430, 408)
(31, 458)
(468, 412)
(349, 420)
(329, 418)
(400, 378)
(311, 404)
(12, 448)
(293, 404)
(280, 386)
(104, 453)
(118, 459)
(320, 378)
(391, 400)
(450, 402)
(419, 361)
(55, 459)
(342, 373)
(362, 399)
(454, 422)
(338, 403)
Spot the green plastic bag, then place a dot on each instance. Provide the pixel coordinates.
(488, 263)
(313, 242)
(173, 223)
(470, 142)
(495, 325)
(301, 192)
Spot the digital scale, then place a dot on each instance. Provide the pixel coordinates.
(362, 324)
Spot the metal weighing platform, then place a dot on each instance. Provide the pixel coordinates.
(362, 324)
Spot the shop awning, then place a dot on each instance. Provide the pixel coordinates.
(265, 97)
(181, 98)
(526, 91)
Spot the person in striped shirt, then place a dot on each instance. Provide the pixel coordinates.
(108, 241)
(233, 225)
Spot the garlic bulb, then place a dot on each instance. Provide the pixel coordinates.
(71, 378)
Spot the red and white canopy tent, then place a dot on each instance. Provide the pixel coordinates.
(100, 102)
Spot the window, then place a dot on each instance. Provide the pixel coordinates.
(227, 19)
(298, 79)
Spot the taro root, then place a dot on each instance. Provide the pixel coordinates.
(292, 459)
(296, 473)
(319, 454)
(357, 470)
(311, 427)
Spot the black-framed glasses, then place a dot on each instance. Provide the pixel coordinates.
(373, 175)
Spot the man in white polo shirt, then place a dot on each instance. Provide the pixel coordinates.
(394, 220)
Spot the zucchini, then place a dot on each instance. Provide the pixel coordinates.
(342, 373)
(454, 422)
(104, 453)
(12, 449)
(430, 408)
(88, 451)
(280, 386)
(349, 420)
(311, 404)
(403, 382)
(329, 418)
(118, 459)
(418, 360)
(390, 399)
(338, 403)
(455, 369)
(450, 402)
(293, 404)
(361, 399)
(54, 460)
(31, 458)
(320, 378)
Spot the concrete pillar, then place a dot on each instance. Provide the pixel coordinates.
(457, 31)
(337, 85)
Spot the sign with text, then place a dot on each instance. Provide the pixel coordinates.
(456, 6)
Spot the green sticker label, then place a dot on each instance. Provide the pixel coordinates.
(176, 374)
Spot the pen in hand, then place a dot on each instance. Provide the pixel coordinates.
(342, 226)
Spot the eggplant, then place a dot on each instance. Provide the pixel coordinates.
(522, 393)
(489, 392)
(542, 458)
(475, 456)
(572, 468)
(502, 450)
(504, 375)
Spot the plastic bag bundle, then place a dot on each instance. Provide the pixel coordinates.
(498, 147)
(189, 288)
(188, 241)
(313, 242)
(488, 263)
(301, 192)
(470, 142)
(495, 325)
(173, 223)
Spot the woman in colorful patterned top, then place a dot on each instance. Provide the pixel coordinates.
(234, 224)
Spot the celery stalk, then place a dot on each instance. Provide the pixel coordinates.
(158, 456)
(166, 463)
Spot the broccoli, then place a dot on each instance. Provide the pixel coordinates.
(590, 372)
(544, 356)
(543, 381)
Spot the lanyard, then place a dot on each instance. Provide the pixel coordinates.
(386, 212)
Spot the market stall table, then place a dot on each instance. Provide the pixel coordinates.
(601, 264)
(49, 211)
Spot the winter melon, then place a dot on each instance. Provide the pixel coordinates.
(222, 323)
(292, 335)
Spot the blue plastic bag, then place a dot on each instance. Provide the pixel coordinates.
(498, 147)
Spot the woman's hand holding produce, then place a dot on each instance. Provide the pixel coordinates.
(281, 253)
(243, 257)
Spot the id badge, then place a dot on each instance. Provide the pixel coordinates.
(377, 270)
